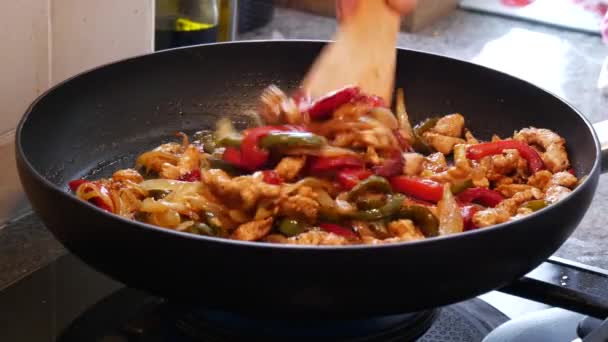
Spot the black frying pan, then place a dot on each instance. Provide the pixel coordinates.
(99, 121)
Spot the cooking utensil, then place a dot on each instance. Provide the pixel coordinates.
(362, 54)
(99, 121)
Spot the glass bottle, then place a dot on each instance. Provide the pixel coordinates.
(186, 22)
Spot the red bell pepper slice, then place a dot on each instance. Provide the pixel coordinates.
(419, 202)
(338, 230)
(98, 202)
(74, 184)
(392, 166)
(327, 104)
(271, 177)
(483, 196)
(192, 176)
(324, 164)
(372, 100)
(467, 212)
(233, 156)
(478, 151)
(252, 156)
(424, 189)
(350, 177)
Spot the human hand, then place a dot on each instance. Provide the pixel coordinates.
(345, 8)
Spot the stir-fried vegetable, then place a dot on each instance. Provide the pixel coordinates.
(323, 164)
(230, 165)
(74, 184)
(192, 176)
(325, 105)
(291, 139)
(370, 201)
(340, 169)
(158, 193)
(252, 155)
(535, 205)
(392, 165)
(401, 112)
(419, 144)
(467, 212)
(202, 229)
(450, 219)
(291, 227)
(478, 151)
(424, 189)
(271, 177)
(233, 157)
(370, 100)
(487, 197)
(373, 183)
(461, 186)
(230, 140)
(338, 230)
(350, 177)
(422, 216)
(391, 208)
(425, 126)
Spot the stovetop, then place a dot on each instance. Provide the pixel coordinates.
(67, 301)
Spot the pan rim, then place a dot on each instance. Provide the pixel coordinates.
(21, 155)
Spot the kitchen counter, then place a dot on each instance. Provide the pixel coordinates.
(563, 62)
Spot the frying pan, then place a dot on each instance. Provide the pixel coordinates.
(101, 120)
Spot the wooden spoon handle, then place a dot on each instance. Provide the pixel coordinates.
(362, 54)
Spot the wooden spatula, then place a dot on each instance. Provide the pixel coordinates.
(363, 53)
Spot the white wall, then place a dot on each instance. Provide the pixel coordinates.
(46, 41)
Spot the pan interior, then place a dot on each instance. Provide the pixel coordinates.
(100, 121)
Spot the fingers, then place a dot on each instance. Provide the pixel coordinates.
(402, 6)
(345, 8)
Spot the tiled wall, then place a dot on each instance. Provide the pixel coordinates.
(46, 41)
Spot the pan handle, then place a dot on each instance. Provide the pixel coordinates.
(565, 284)
(601, 128)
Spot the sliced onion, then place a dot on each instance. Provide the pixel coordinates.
(344, 207)
(312, 182)
(153, 160)
(256, 119)
(450, 219)
(224, 128)
(171, 185)
(149, 205)
(385, 117)
(325, 200)
(168, 218)
(402, 116)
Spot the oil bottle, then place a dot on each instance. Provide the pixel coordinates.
(191, 22)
